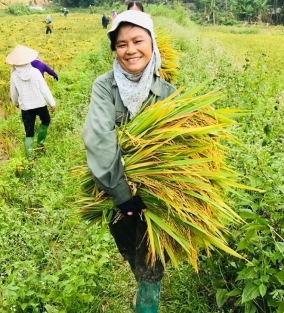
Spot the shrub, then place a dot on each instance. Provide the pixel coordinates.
(19, 9)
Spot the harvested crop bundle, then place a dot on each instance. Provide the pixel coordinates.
(174, 158)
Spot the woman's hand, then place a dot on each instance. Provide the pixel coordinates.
(132, 207)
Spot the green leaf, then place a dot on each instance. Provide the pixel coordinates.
(50, 309)
(247, 273)
(30, 293)
(250, 307)
(221, 297)
(280, 246)
(251, 291)
(280, 277)
(11, 291)
(280, 308)
(24, 305)
(262, 290)
(234, 292)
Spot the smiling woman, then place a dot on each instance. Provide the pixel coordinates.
(133, 48)
(117, 97)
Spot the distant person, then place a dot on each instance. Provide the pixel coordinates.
(42, 67)
(30, 93)
(135, 5)
(91, 8)
(65, 11)
(105, 21)
(114, 14)
(48, 26)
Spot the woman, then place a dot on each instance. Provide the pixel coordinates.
(117, 97)
(30, 92)
(114, 14)
(105, 21)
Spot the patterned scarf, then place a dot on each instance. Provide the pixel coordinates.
(134, 89)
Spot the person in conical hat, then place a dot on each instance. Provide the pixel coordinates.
(117, 97)
(30, 93)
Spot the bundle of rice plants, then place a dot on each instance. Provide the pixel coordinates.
(169, 56)
(175, 159)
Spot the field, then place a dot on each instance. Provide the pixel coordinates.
(51, 262)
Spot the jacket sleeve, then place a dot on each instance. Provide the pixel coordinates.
(14, 93)
(45, 91)
(49, 70)
(100, 139)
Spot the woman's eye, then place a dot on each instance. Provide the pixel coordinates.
(121, 46)
(138, 41)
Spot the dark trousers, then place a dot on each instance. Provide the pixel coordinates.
(29, 118)
(131, 238)
(48, 30)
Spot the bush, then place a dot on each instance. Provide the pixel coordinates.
(175, 12)
(19, 9)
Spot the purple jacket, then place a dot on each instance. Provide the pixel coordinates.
(42, 67)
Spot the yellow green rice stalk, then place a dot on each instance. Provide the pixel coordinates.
(175, 160)
(169, 56)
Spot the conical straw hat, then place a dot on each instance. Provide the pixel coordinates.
(21, 55)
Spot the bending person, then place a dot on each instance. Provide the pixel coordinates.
(42, 67)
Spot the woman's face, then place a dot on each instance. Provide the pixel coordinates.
(133, 48)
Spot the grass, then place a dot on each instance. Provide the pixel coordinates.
(48, 258)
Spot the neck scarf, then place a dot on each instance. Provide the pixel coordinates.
(134, 89)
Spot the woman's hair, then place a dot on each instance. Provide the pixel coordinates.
(135, 3)
(113, 35)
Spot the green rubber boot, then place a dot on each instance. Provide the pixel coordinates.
(148, 296)
(29, 141)
(41, 136)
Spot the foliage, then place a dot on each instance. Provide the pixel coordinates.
(19, 8)
(257, 287)
(38, 228)
(214, 11)
(173, 11)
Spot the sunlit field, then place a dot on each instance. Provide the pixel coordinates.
(71, 36)
(252, 41)
(50, 262)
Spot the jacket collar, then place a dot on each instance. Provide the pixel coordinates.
(155, 87)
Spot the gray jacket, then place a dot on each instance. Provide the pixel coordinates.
(99, 134)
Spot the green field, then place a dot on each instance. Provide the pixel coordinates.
(50, 262)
